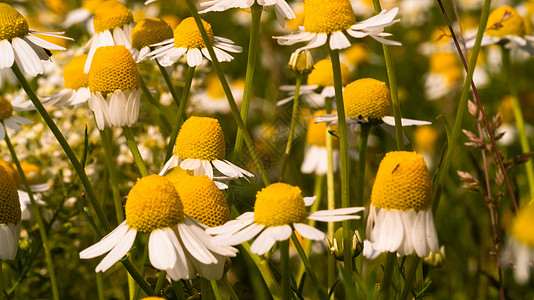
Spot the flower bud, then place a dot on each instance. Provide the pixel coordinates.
(336, 244)
(301, 62)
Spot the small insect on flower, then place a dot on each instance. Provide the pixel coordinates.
(10, 216)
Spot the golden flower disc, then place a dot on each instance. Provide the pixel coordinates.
(187, 35)
(177, 174)
(367, 98)
(110, 15)
(113, 68)
(203, 200)
(214, 87)
(12, 171)
(322, 74)
(200, 138)
(9, 199)
(153, 203)
(441, 62)
(505, 21)
(402, 182)
(316, 134)
(6, 109)
(12, 23)
(328, 16)
(73, 73)
(91, 5)
(279, 204)
(523, 225)
(425, 138)
(150, 31)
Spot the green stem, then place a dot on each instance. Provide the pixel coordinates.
(168, 81)
(412, 270)
(330, 193)
(181, 111)
(166, 125)
(37, 215)
(2, 279)
(360, 184)
(205, 289)
(160, 281)
(229, 288)
(136, 276)
(66, 148)
(265, 271)
(216, 290)
(520, 121)
(254, 42)
(177, 288)
(100, 285)
(391, 257)
(343, 153)
(294, 117)
(309, 271)
(228, 93)
(392, 80)
(286, 269)
(130, 140)
(106, 136)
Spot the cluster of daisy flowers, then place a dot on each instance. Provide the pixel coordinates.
(137, 95)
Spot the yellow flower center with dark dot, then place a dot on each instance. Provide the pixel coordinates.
(200, 138)
(279, 204)
(153, 203)
(328, 16)
(113, 68)
(316, 134)
(13, 173)
(73, 73)
(177, 174)
(6, 109)
(522, 227)
(188, 36)
(402, 182)
(12, 23)
(150, 31)
(505, 21)
(367, 98)
(322, 74)
(110, 15)
(9, 200)
(425, 138)
(202, 200)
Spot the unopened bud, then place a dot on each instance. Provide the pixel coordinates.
(301, 62)
(336, 244)
(435, 259)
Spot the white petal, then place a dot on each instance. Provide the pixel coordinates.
(122, 247)
(431, 234)
(194, 245)
(263, 243)
(405, 122)
(239, 237)
(388, 232)
(42, 43)
(190, 164)
(317, 41)
(118, 105)
(26, 58)
(194, 57)
(419, 235)
(106, 243)
(309, 232)
(338, 40)
(7, 57)
(308, 201)
(161, 250)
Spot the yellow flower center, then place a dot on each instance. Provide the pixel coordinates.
(73, 73)
(505, 21)
(57, 6)
(357, 54)
(214, 87)
(188, 36)
(91, 5)
(153, 203)
(177, 174)
(367, 98)
(202, 200)
(200, 138)
(279, 204)
(441, 62)
(425, 138)
(113, 68)
(6, 109)
(12, 23)
(522, 227)
(322, 74)
(111, 14)
(31, 171)
(402, 182)
(172, 20)
(13, 173)
(316, 134)
(328, 16)
(150, 31)
(9, 200)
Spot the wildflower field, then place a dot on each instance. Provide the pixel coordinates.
(266, 149)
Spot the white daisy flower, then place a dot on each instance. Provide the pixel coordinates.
(177, 243)
(148, 32)
(10, 216)
(19, 44)
(188, 42)
(212, 99)
(200, 146)
(113, 23)
(316, 155)
(331, 20)
(7, 117)
(400, 216)
(278, 211)
(76, 89)
(282, 9)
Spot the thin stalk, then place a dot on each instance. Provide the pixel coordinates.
(216, 290)
(286, 269)
(181, 111)
(2, 279)
(391, 257)
(142, 271)
(392, 80)
(66, 148)
(37, 215)
(364, 137)
(177, 288)
(168, 81)
(330, 193)
(106, 138)
(205, 289)
(253, 46)
(294, 117)
(343, 152)
(160, 281)
(263, 267)
(412, 270)
(228, 93)
(520, 121)
(320, 292)
(100, 285)
(229, 288)
(130, 140)
(166, 125)
(136, 276)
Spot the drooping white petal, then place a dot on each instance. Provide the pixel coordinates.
(233, 226)
(118, 105)
(190, 164)
(431, 234)
(42, 43)
(308, 201)
(309, 232)
(263, 243)
(239, 237)
(388, 232)
(405, 122)
(194, 245)
(194, 57)
(419, 235)
(26, 58)
(7, 57)
(338, 40)
(7, 246)
(122, 247)
(106, 243)
(161, 250)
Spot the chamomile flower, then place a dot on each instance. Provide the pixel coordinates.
(148, 32)
(19, 44)
(9, 217)
(84, 14)
(400, 216)
(113, 23)
(282, 9)
(444, 74)
(329, 21)
(76, 89)
(8, 119)
(115, 84)
(200, 146)
(519, 248)
(177, 243)
(212, 99)
(188, 42)
(279, 210)
(316, 155)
